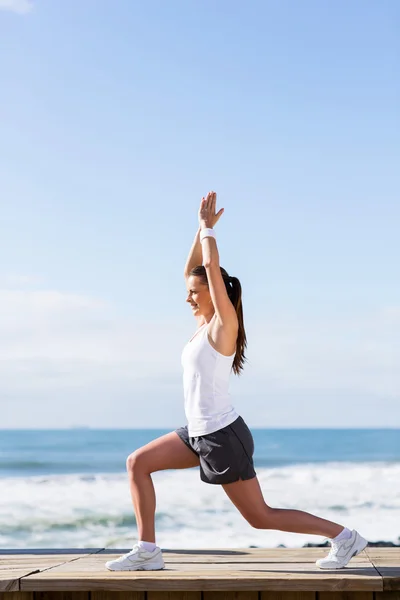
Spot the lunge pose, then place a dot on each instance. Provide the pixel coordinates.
(216, 438)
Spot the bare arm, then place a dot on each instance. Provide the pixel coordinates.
(195, 255)
(210, 250)
(223, 306)
(207, 218)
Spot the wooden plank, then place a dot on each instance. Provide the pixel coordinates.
(61, 595)
(34, 562)
(288, 595)
(390, 556)
(195, 582)
(185, 595)
(224, 595)
(239, 572)
(89, 573)
(288, 568)
(387, 596)
(15, 565)
(387, 563)
(346, 596)
(17, 596)
(240, 555)
(382, 551)
(104, 595)
(10, 579)
(390, 577)
(97, 561)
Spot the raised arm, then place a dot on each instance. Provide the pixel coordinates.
(195, 257)
(224, 309)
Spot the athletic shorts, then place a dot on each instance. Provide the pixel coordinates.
(225, 455)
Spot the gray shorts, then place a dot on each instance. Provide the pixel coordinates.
(225, 455)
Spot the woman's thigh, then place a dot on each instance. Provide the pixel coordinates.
(165, 452)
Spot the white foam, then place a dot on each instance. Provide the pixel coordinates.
(95, 511)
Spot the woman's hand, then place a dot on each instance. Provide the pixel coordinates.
(207, 215)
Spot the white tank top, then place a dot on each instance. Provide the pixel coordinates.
(206, 386)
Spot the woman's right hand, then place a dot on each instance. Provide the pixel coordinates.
(210, 203)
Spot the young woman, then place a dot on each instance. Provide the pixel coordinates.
(216, 438)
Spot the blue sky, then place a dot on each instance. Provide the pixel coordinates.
(115, 119)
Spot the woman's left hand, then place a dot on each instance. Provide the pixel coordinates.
(207, 215)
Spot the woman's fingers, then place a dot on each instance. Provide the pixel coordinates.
(218, 215)
(214, 207)
(211, 202)
(208, 205)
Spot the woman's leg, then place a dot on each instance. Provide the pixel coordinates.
(248, 499)
(166, 452)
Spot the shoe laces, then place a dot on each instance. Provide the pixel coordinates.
(128, 554)
(334, 548)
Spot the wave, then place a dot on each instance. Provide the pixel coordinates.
(27, 468)
(10, 464)
(95, 510)
(28, 527)
(45, 468)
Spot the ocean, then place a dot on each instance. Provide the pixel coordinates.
(69, 488)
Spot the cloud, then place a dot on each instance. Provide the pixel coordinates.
(52, 342)
(64, 354)
(18, 281)
(357, 353)
(21, 7)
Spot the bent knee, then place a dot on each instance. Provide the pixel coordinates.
(136, 463)
(264, 520)
(130, 462)
(260, 524)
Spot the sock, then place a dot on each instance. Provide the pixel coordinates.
(345, 534)
(149, 546)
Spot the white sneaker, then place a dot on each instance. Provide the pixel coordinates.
(138, 559)
(341, 552)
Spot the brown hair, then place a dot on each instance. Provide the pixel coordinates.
(234, 290)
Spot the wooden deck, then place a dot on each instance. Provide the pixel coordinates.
(231, 574)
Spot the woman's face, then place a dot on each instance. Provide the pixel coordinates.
(198, 296)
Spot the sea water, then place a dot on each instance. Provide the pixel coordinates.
(69, 488)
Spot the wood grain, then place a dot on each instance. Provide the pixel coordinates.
(240, 555)
(288, 596)
(103, 595)
(387, 596)
(221, 574)
(14, 565)
(152, 595)
(10, 579)
(61, 595)
(346, 596)
(224, 595)
(17, 596)
(387, 563)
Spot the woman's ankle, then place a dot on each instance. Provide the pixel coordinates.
(149, 546)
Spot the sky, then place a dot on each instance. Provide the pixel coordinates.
(116, 118)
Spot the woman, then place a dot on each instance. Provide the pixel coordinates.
(216, 437)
